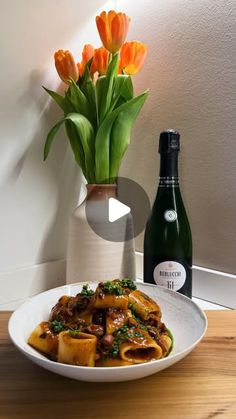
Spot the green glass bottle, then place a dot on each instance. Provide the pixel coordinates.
(168, 239)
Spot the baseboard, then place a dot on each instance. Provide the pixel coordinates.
(214, 286)
(18, 285)
(208, 284)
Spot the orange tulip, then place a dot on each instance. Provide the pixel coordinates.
(112, 28)
(100, 61)
(132, 56)
(80, 67)
(87, 54)
(65, 65)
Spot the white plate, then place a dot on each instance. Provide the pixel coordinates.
(181, 315)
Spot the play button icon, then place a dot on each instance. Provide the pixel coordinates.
(116, 210)
(122, 215)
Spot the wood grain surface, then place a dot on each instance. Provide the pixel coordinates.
(201, 386)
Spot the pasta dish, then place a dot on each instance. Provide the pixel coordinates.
(115, 325)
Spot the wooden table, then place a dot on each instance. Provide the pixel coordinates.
(203, 385)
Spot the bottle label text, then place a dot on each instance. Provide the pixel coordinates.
(170, 274)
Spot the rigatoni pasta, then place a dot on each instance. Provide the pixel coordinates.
(115, 325)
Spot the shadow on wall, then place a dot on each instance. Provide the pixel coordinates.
(61, 170)
(46, 192)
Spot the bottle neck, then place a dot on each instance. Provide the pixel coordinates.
(169, 170)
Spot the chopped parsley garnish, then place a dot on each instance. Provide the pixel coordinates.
(74, 332)
(138, 319)
(113, 288)
(57, 326)
(86, 291)
(134, 312)
(172, 341)
(117, 287)
(138, 335)
(123, 334)
(115, 349)
(132, 307)
(128, 283)
(123, 329)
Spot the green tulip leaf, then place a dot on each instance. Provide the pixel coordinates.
(103, 146)
(122, 91)
(89, 91)
(127, 90)
(81, 137)
(60, 100)
(100, 93)
(86, 74)
(120, 134)
(78, 100)
(50, 138)
(106, 97)
(116, 94)
(86, 134)
(76, 145)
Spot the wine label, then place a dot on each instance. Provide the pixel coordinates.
(170, 275)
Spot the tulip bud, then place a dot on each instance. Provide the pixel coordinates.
(66, 67)
(87, 54)
(100, 61)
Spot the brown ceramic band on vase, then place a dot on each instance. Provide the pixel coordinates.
(99, 192)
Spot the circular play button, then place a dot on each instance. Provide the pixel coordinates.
(116, 210)
(119, 214)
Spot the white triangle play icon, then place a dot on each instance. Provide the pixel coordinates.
(116, 210)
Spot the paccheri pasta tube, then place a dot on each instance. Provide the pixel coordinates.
(139, 347)
(77, 348)
(114, 325)
(143, 305)
(115, 319)
(111, 295)
(44, 340)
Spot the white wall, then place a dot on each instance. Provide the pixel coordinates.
(35, 197)
(190, 71)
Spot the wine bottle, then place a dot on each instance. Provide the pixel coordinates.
(168, 239)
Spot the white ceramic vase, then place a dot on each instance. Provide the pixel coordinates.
(98, 250)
